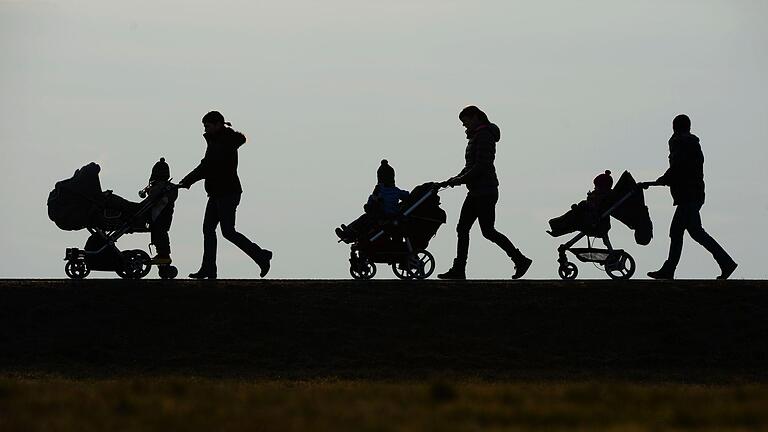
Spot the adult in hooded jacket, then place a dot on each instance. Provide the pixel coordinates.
(219, 169)
(479, 176)
(685, 178)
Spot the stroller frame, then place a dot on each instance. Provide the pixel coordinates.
(617, 263)
(128, 264)
(406, 262)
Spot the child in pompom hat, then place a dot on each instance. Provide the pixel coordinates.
(383, 203)
(603, 184)
(161, 214)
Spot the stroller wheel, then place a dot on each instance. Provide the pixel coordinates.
(621, 267)
(362, 269)
(420, 265)
(568, 271)
(77, 269)
(167, 272)
(401, 271)
(135, 264)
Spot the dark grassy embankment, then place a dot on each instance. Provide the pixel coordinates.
(697, 331)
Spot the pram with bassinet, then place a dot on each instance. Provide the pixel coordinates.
(402, 241)
(625, 203)
(79, 203)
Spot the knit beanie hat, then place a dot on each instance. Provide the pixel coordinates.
(604, 181)
(385, 174)
(161, 171)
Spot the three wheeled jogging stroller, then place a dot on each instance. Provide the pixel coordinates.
(79, 203)
(625, 203)
(402, 241)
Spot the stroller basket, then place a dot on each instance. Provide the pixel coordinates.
(590, 255)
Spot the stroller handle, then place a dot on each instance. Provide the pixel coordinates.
(646, 185)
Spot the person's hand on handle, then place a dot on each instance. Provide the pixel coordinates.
(646, 185)
(451, 182)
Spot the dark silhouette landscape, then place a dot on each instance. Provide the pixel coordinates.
(692, 331)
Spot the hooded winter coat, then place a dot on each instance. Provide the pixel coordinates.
(479, 173)
(219, 165)
(685, 176)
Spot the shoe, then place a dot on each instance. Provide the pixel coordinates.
(263, 258)
(727, 270)
(662, 274)
(521, 267)
(200, 275)
(344, 235)
(341, 234)
(161, 259)
(453, 273)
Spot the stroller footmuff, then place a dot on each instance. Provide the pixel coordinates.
(402, 241)
(625, 203)
(79, 203)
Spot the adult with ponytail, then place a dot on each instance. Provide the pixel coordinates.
(219, 169)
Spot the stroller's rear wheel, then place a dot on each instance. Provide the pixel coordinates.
(136, 264)
(568, 271)
(419, 265)
(362, 269)
(77, 269)
(167, 272)
(620, 267)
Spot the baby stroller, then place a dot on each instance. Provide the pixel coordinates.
(402, 241)
(624, 203)
(79, 203)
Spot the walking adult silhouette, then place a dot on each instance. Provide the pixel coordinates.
(479, 175)
(219, 169)
(685, 178)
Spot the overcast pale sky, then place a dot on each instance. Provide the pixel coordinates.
(325, 89)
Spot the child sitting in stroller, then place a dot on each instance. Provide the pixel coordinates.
(383, 203)
(586, 215)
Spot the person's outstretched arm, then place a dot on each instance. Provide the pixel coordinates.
(195, 175)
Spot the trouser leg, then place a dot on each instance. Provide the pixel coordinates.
(159, 231)
(697, 232)
(362, 224)
(467, 218)
(227, 207)
(486, 211)
(210, 222)
(676, 231)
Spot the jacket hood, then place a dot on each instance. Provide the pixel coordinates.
(226, 134)
(490, 128)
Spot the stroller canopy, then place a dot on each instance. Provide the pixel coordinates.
(71, 202)
(632, 212)
(78, 202)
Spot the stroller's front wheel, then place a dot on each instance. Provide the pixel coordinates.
(362, 269)
(77, 269)
(568, 271)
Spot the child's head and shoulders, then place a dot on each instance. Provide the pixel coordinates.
(385, 185)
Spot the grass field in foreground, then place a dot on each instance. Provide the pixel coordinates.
(146, 404)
